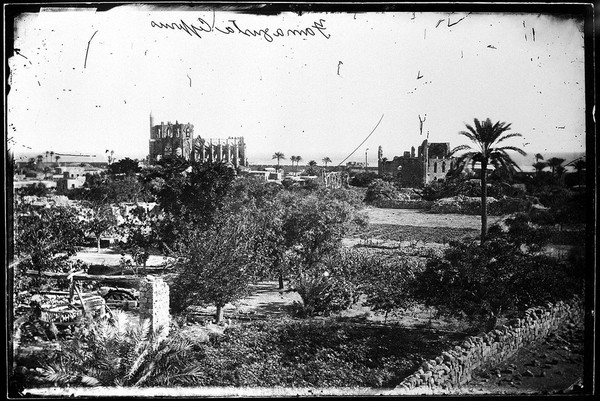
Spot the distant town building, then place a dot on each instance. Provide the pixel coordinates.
(431, 162)
(66, 183)
(178, 140)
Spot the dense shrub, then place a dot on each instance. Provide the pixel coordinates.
(363, 179)
(379, 190)
(350, 196)
(330, 286)
(38, 189)
(472, 205)
(505, 273)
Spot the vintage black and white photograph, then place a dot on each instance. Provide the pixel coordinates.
(299, 199)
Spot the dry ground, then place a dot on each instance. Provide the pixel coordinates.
(420, 218)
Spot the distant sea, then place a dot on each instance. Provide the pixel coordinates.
(526, 162)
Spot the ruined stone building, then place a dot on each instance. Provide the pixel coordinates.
(178, 140)
(431, 162)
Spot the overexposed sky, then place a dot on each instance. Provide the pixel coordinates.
(310, 95)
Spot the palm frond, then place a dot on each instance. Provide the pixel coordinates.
(459, 149)
(137, 364)
(478, 127)
(469, 135)
(473, 132)
(89, 381)
(508, 136)
(500, 157)
(513, 148)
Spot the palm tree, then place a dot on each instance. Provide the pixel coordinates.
(298, 160)
(57, 157)
(538, 157)
(294, 159)
(51, 155)
(539, 166)
(279, 156)
(46, 159)
(326, 160)
(555, 164)
(579, 166)
(486, 136)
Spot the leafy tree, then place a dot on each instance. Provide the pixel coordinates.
(387, 282)
(45, 239)
(188, 193)
(38, 189)
(312, 163)
(124, 166)
(100, 219)
(486, 137)
(279, 156)
(314, 226)
(140, 235)
(217, 265)
(110, 189)
(538, 157)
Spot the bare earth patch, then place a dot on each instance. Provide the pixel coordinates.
(420, 218)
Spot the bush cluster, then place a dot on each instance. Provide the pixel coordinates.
(363, 179)
(507, 272)
(380, 190)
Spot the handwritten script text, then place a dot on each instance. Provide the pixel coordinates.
(232, 26)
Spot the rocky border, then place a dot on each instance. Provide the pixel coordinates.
(455, 367)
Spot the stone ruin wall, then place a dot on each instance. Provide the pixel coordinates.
(154, 303)
(455, 367)
(437, 168)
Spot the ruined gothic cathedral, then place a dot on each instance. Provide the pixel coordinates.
(178, 140)
(432, 162)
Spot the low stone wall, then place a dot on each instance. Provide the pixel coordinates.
(456, 366)
(154, 303)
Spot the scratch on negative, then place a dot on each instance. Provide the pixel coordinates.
(88, 49)
(190, 80)
(449, 24)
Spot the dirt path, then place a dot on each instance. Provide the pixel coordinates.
(108, 257)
